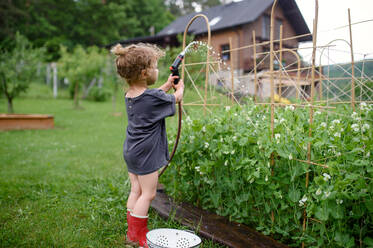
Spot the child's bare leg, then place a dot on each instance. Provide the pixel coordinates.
(135, 191)
(148, 184)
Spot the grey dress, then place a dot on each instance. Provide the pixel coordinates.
(145, 148)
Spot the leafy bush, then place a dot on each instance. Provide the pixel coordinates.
(223, 164)
(99, 94)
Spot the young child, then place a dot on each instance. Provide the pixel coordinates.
(145, 149)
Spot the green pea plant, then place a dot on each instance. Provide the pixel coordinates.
(223, 165)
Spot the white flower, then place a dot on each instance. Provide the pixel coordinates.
(277, 136)
(302, 201)
(268, 165)
(188, 120)
(206, 145)
(363, 106)
(317, 113)
(227, 108)
(234, 138)
(368, 155)
(226, 162)
(354, 115)
(331, 128)
(203, 129)
(327, 194)
(323, 124)
(282, 120)
(232, 152)
(339, 201)
(338, 154)
(290, 156)
(365, 127)
(326, 176)
(318, 191)
(235, 114)
(355, 127)
(337, 134)
(266, 179)
(290, 107)
(197, 168)
(221, 139)
(336, 121)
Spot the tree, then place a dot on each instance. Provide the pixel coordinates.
(81, 67)
(82, 22)
(18, 68)
(179, 8)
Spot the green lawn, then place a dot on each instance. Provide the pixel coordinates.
(66, 187)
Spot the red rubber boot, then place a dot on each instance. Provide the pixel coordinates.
(140, 224)
(130, 237)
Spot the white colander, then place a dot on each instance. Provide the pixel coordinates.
(172, 238)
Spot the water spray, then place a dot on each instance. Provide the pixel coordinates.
(174, 68)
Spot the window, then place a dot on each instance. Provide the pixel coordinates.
(277, 29)
(266, 24)
(225, 56)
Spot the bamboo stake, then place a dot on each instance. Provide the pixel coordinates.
(232, 71)
(352, 64)
(255, 72)
(313, 163)
(298, 105)
(272, 90)
(280, 65)
(311, 109)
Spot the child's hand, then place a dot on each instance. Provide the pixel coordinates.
(179, 85)
(171, 79)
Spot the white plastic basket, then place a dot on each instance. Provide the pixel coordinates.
(172, 238)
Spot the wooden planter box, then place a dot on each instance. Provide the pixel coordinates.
(25, 121)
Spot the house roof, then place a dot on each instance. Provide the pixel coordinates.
(235, 14)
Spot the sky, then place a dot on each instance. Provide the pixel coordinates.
(334, 14)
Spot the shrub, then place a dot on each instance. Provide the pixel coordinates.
(223, 164)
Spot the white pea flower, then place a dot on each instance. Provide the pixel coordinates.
(226, 162)
(355, 127)
(277, 136)
(327, 194)
(302, 201)
(232, 152)
(268, 165)
(323, 124)
(206, 145)
(318, 191)
(290, 156)
(266, 179)
(326, 176)
(188, 120)
(368, 155)
(363, 106)
(365, 127)
(234, 138)
(221, 139)
(331, 127)
(337, 134)
(197, 168)
(203, 129)
(317, 113)
(235, 114)
(338, 154)
(290, 107)
(227, 108)
(339, 201)
(336, 121)
(282, 120)
(354, 115)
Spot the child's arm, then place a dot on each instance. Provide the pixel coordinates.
(168, 85)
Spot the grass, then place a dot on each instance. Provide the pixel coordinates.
(66, 187)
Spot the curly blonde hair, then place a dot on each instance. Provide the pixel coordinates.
(131, 60)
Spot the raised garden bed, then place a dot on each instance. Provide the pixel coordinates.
(25, 121)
